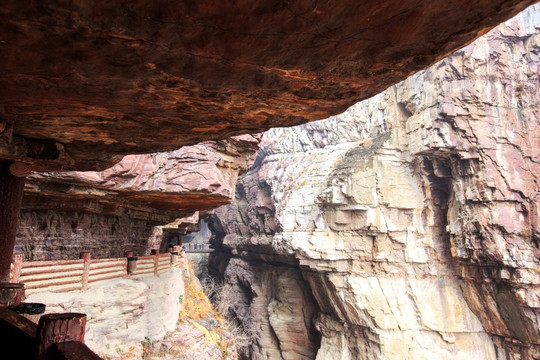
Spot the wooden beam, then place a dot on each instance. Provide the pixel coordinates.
(58, 328)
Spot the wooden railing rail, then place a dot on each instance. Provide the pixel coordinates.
(70, 275)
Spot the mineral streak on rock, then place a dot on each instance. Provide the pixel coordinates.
(84, 82)
(413, 216)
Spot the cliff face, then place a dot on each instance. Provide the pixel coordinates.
(412, 217)
(125, 207)
(84, 83)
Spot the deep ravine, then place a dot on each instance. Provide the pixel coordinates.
(406, 227)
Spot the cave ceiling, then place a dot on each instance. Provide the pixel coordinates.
(85, 82)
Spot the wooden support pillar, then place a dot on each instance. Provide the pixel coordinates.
(59, 328)
(17, 267)
(12, 178)
(174, 258)
(131, 262)
(85, 255)
(155, 253)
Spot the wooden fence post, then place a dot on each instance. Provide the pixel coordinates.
(59, 328)
(17, 266)
(155, 252)
(174, 259)
(85, 255)
(131, 262)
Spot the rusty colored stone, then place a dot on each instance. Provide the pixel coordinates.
(412, 216)
(20, 169)
(83, 82)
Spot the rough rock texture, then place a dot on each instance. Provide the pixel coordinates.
(188, 341)
(121, 313)
(132, 206)
(56, 235)
(133, 319)
(275, 307)
(413, 216)
(83, 82)
(186, 180)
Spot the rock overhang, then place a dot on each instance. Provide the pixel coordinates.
(85, 83)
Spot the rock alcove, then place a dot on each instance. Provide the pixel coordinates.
(418, 225)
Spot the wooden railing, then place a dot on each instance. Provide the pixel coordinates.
(197, 248)
(70, 275)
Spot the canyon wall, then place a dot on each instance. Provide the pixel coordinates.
(56, 235)
(412, 218)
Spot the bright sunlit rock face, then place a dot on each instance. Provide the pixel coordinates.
(413, 216)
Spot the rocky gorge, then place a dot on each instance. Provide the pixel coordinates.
(405, 228)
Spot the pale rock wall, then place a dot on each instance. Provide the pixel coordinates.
(413, 216)
(122, 313)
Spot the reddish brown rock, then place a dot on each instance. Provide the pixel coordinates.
(178, 183)
(120, 208)
(85, 81)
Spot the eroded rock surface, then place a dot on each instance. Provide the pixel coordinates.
(83, 82)
(122, 313)
(413, 216)
(128, 206)
(275, 307)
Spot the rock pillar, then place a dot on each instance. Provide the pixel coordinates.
(12, 178)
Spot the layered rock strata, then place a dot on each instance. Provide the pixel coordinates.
(132, 205)
(85, 82)
(413, 216)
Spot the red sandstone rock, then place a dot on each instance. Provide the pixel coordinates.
(177, 183)
(116, 210)
(84, 81)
